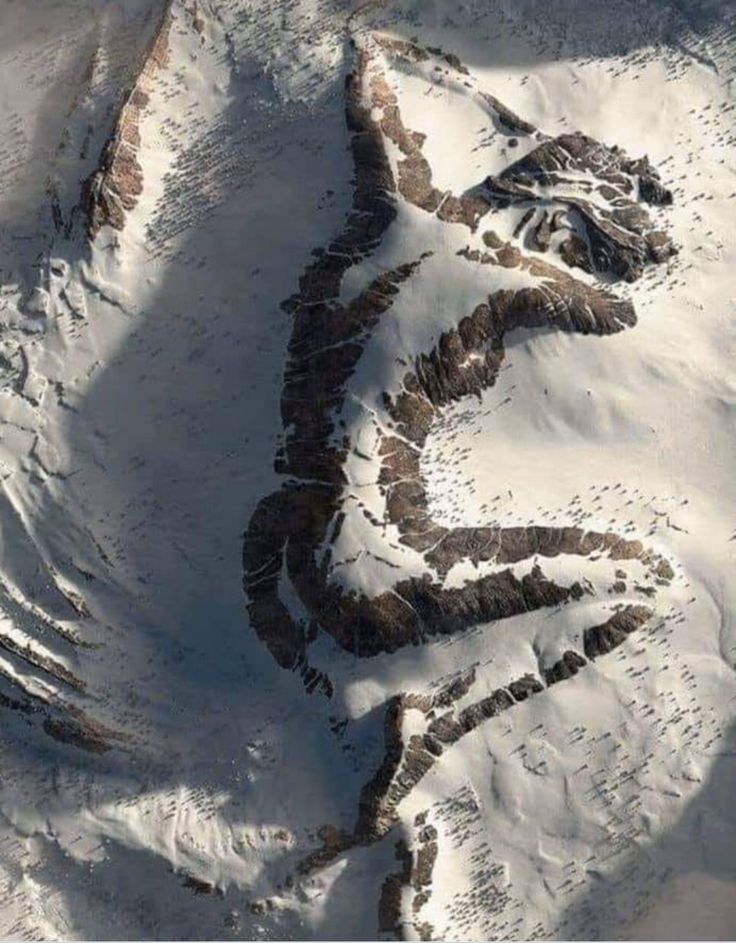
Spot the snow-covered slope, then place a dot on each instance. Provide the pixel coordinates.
(366, 445)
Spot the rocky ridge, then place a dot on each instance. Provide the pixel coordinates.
(407, 760)
(115, 187)
(325, 347)
(292, 525)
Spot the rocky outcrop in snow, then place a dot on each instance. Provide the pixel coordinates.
(407, 759)
(327, 342)
(573, 185)
(117, 184)
(290, 538)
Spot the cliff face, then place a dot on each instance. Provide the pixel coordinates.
(115, 187)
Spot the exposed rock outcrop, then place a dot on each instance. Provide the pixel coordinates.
(414, 172)
(407, 760)
(327, 342)
(57, 714)
(581, 185)
(115, 187)
(389, 903)
(602, 639)
(293, 531)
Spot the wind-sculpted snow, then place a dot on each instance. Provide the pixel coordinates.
(468, 673)
(293, 534)
(44, 643)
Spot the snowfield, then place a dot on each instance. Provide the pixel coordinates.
(194, 746)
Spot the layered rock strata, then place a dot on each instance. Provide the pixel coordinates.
(48, 695)
(582, 196)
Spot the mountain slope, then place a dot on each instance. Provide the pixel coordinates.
(366, 461)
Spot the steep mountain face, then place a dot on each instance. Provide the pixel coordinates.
(366, 445)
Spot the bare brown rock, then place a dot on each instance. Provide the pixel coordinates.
(621, 238)
(389, 904)
(601, 639)
(116, 185)
(568, 666)
(326, 345)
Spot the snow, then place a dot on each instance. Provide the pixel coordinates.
(139, 416)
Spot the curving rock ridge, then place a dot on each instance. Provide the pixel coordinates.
(464, 362)
(114, 188)
(292, 532)
(407, 760)
(414, 172)
(290, 526)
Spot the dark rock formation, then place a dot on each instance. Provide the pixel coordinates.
(525, 687)
(406, 762)
(415, 174)
(60, 708)
(509, 120)
(389, 903)
(601, 639)
(306, 514)
(327, 342)
(114, 188)
(568, 666)
(620, 237)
